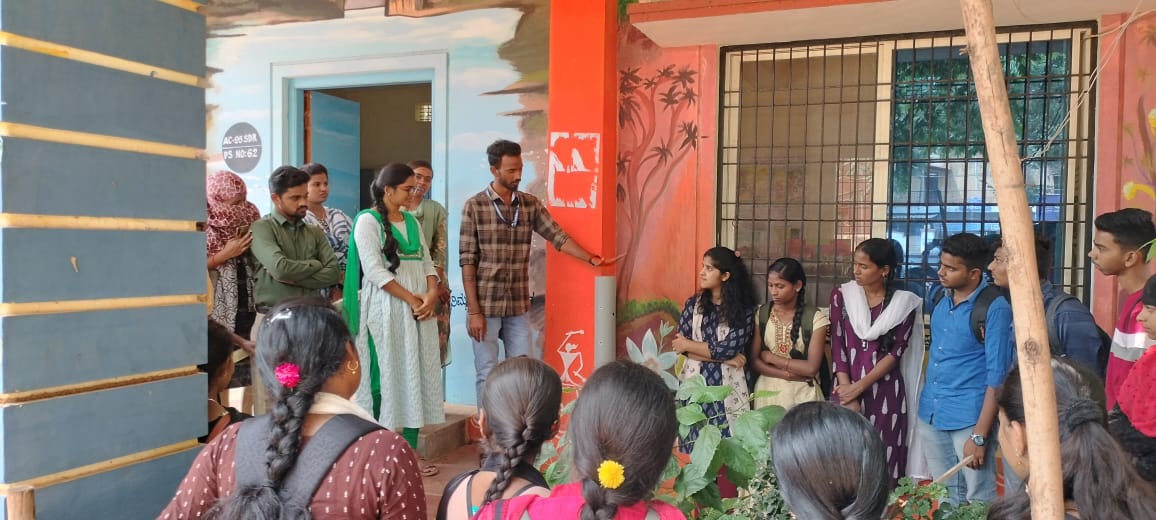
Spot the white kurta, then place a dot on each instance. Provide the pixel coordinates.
(407, 349)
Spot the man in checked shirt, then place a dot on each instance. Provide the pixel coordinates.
(497, 226)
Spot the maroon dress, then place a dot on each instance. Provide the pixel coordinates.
(885, 403)
(377, 477)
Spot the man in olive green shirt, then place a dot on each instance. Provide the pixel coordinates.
(293, 258)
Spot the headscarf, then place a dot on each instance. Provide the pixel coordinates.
(225, 219)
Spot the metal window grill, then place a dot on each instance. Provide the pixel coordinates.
(826, 144)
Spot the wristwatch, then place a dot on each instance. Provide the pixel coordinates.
(978, 439)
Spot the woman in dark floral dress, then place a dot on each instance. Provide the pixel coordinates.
(715, 330)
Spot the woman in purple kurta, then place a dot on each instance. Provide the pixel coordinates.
(871, 330)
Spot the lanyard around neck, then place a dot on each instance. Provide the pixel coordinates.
(502, 217)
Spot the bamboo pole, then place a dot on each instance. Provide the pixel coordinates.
(1018, 239)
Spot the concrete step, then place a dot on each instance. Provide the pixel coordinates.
(450, 465)
(436, 440)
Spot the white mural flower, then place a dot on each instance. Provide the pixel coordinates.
(649, 357)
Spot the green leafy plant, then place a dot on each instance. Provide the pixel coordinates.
(746, 456)
(762, 499)
(913, 500)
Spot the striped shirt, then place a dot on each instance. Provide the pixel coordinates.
(1129, 342)
(337, 227)
(495, 237)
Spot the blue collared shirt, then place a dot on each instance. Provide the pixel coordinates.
(960, 368)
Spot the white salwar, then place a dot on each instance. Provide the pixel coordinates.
(407, 349)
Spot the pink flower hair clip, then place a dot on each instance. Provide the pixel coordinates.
(288, 374)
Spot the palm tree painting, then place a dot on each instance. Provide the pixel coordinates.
(658, 130)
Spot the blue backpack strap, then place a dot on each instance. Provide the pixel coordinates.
(979, 311)
(1050, 318)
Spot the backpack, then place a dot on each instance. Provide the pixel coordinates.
(1102, 353)
(808, 323)
(978, 310)
(314, 461)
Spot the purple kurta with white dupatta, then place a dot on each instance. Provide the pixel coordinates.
(856, 329)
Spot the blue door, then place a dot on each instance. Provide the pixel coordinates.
(333, 138)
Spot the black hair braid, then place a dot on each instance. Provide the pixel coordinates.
(887, 340)
(286, 420)
(598, 504)
(511, 457)
(797, 324)
(389, 248)
(285, 434)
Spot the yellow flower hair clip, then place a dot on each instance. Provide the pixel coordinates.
(611, 474)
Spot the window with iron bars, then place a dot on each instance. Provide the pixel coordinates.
(826, 144)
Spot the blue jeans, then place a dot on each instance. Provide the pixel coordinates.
(944, 449)
(516, 336)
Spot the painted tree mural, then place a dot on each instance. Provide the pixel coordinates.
(1139, 127)
(658, 132)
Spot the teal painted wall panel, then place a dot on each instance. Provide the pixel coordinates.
(336, 143)
(61, 349)
(44, 178)
(52, 435)
(109, 264)
(89, 98)
(44, 437)
(114, 27)
(136, 492)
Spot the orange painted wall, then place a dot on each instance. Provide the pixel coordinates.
(578, 193)
(668, 116)
(1126, 134)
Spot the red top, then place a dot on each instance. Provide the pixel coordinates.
(566, 501)
(1129, 342)
(376, 477)
(1136, 397)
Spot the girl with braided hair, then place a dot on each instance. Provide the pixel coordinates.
(1099, 480)
(781, 355)
(521, 400)
(391, 309)
(621, 434)
(878, 349)
(316, 455)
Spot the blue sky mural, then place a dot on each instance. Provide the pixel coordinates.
(476, 108)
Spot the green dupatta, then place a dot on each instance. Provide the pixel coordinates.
(351, 300)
